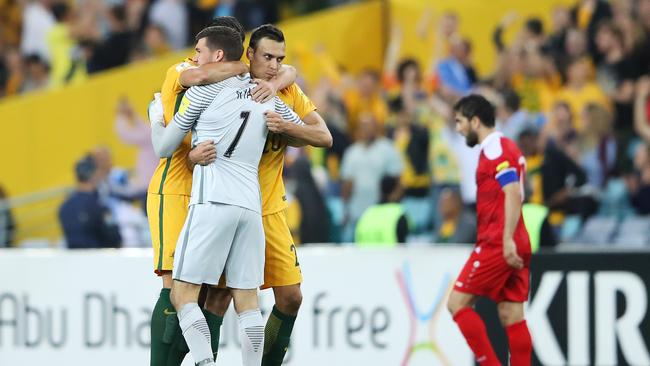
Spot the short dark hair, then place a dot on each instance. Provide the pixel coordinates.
(35, 59)
(511, 100)
(611, 27)
(119, 13)
(265, 31)
(528, 133)
(535, 26)
(230, 22)
(405, 64)
(387, 185)
(223, 38)
(60, 10)
(475, 105)
(85, 169)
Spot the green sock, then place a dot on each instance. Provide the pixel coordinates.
(277, 335)
(214, 324)
(178, 349)
(161, 312)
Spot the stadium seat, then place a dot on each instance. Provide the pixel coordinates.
(614, 200)
(598, 230)
(570, 228)
(634, 232)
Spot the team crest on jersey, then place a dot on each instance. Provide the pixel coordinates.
(502, 166)
(182, 66)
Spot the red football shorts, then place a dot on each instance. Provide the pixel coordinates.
(487, 274)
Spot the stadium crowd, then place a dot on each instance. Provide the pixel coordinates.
(49, 43)
(573, 95)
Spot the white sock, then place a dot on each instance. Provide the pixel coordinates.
(196, 332)
(251, 333)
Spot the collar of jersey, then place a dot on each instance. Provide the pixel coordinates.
(491, 137)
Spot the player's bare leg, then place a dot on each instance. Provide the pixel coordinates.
(288, 299)
(511, 315)
(471, 325)
(192, 321)
(218, 300)
(280, 323)
(251, 325)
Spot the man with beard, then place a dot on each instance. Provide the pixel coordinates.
(498, 268)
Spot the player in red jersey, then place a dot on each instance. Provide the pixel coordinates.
(498, 268)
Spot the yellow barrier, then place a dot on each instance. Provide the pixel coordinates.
(45, 133)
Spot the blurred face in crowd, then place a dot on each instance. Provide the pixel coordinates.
(562, 114)
(412, 75)
(467, 128)
(576, 42)
(578, 72)
(533, 66)
(367, 84)
(597, 120)
(528, 144)
(450, 204)
(367, 128)
(459, 49)
(37, 70)
(103, 161)
(606, 40)
(266, 59)
(205, 55)
(644, 12)
(154, 38)
(622, 8)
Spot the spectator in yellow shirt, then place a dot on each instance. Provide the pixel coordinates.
(580, 91)
(365, 99)
(66, 66)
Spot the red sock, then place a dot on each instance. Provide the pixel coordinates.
(473, 329)
(521, 345)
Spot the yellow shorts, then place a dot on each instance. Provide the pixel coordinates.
(166, 214)
(281, 266)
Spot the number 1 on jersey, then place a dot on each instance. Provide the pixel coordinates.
(244, 115)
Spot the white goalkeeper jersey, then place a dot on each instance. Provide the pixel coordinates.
(225, 113)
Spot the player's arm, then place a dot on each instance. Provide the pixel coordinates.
(166, 140)
(211, 73)
(392, 50)
(203, 154)
(510, 185)
(265, 90)
(281, 115)
(314, 132)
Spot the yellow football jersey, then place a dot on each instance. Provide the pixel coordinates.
(172, 175)
(272, 162)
